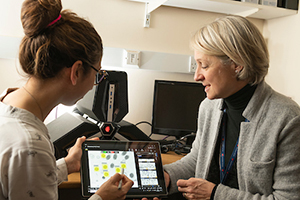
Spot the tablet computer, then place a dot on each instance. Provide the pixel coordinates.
(140, 160)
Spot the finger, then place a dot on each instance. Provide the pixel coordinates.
(183, 189)
(126, 179)
(115, 178)
(95, 138)
(184, 195)
(196, 196)
(127, 185)
(79, 141)
(182, 183)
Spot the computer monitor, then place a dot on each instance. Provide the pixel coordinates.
(108, 101)
(100, 110)
(175, 107)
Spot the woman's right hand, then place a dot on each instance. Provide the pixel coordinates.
(109, 190)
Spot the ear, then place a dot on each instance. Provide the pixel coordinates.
(238, 68)
(76, 71)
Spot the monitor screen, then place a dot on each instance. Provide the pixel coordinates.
(175, 107)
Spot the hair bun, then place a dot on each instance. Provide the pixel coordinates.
(37, 14)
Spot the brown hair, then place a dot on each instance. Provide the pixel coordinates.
(46, 50)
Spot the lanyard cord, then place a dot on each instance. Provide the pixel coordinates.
(225, 171)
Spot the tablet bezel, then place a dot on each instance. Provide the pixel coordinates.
(113, 145)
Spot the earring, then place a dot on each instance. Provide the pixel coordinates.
(236, 71)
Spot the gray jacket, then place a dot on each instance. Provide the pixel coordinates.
(268, 160)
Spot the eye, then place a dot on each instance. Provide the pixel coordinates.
(203, 65)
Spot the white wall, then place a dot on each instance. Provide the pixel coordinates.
(284, 46)
(120, 24)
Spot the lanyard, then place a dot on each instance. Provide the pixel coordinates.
(225, 171)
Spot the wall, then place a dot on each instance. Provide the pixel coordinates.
(284, 46)
(120, 24)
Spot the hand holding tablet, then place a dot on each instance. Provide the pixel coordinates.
(140, 161)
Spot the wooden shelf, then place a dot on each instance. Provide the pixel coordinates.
(225, 7)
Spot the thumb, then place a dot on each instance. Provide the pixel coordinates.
(79, 141)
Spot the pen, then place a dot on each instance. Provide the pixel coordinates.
(120, 183)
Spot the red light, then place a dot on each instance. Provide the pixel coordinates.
(107, 129)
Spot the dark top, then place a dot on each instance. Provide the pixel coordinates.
(235, 105)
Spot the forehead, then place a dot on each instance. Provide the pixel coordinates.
(204, 57)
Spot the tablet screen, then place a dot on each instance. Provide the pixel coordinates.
(140, 160)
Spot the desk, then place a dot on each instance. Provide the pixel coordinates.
(74, 178)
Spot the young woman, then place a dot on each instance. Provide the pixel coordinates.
(61, 54)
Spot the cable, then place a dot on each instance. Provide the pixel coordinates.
(143, 122)
(179, 146)
(189, 135)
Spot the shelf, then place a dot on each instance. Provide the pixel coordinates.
(225, 7)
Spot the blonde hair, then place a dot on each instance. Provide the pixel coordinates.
(237, 39)
(45, 50)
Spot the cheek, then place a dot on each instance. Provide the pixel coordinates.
(90, 80)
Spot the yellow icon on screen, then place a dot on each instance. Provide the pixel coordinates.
(106, 174)
(104, 166)
(103, 155)
(96, 168)
(118, 170)
(123, 165)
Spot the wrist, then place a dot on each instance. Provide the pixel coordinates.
(212, 196)
(71, 166)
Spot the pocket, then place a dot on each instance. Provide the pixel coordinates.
(263, 169)
(260, 176)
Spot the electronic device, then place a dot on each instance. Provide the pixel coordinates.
(99, 110)
(175, 107)
(66, 129)
(108, 101)
(132, 132)
(140, 160)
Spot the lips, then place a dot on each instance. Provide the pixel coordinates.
(206, 87)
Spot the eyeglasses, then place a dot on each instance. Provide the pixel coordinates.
(101, 74)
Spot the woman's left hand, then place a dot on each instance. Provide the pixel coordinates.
(73, 159)
(195, 188)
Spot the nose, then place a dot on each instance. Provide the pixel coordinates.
(198, 76)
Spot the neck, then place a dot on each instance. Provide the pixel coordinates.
(45, 94)
(37, 103)
(36, 96)
(240, 99)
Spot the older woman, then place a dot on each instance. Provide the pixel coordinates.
(248, 138)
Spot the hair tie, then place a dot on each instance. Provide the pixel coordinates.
(54, 21)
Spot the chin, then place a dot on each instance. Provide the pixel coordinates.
(70, 103)
(212, 97)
